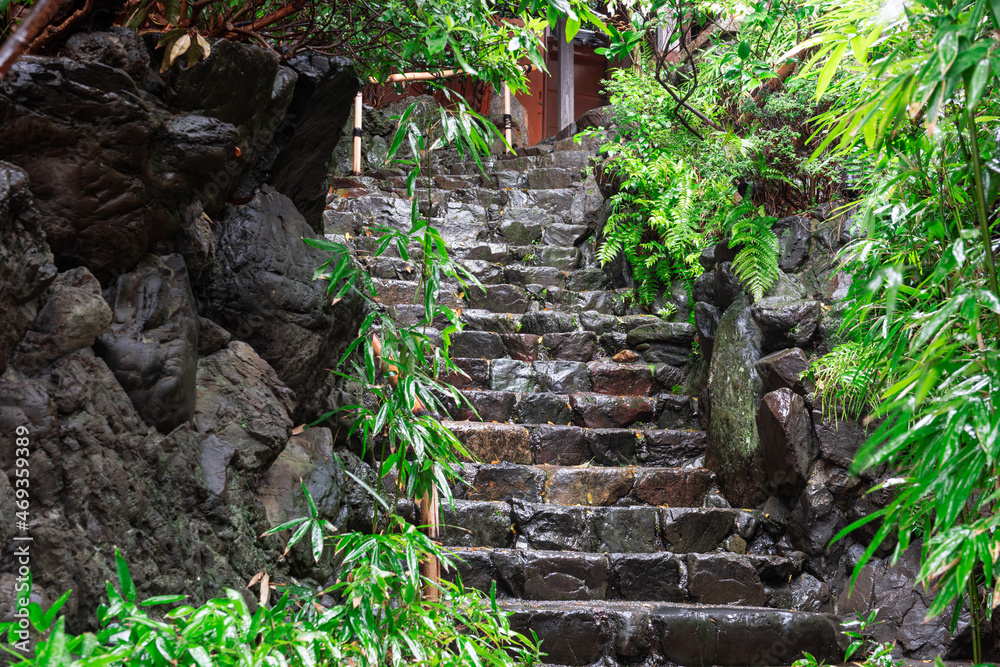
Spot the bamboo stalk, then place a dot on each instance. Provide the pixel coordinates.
(417, 76)
(431, 568)
(356, 166)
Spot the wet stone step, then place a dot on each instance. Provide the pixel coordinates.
(627, 633)
(581, 279)
(557, 376)
(631, 529)
(588, 410)
(715, 578)
(589, 485)
(553, 444)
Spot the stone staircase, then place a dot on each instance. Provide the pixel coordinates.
(589, 510)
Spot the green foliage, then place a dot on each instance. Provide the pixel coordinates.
(925, 304)
(756, 262)
(657, 220)
(863, 645)
(381, 621)
(847, 378)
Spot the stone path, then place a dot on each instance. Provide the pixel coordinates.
(590, 510)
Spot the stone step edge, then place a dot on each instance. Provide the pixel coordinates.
(586, 485)
(578, 634)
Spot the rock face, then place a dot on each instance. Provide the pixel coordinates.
(301, 170)
(150, 428)
(787, 440)
(260, 288)
(734, 392)
(72, 314)
(26, 269)
(152, 344)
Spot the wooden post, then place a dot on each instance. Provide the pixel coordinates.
(431, 568)
(356, 167)
(566, 91)
(507, 129)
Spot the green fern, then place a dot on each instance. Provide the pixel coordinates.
(658, 222)
(756, 264)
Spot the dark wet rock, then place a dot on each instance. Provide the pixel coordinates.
(588, 486)
(476, 524)
(552, 526)
(587, 280)
(71, 314)
(321, 104)
(120, 48)
(520, 232)
(543, 407)
(503, 480)
(668, 377)
(649, 576)
(113, 170)
(499, 298)
(25, 267)
(671, 447)
(728, 287)
(664, 353)
(722, 578)
(794, 236)
(573, 346)
(689, 530)
(706, 320)
(787, 440)
(673, 333)
(563, 234)
(490, 406)
(604, 411)
(211, 337)
(815, 519)
(612, 446)
(548, 321)
(786, 322)
(512, 375)
(704, 288)
(559, 445)
(707, 258)
(471, 374)
(723, 637)
(152, 343)
(621, 379)
(840, 437)
(570, 637)
(523, 347)
(685, 488)
(734, 391)
(241, 400)
(476, 344)
(563, 377)
(625, 529)
(810, 594)
(556, 576)
(181, 514)
(599, 323)
(260, 288)
(784, 369)
(310, 458)
(493, 442)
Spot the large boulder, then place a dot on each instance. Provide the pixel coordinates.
(26, 269)
(176, 507)
(322, 103)
(260, 287)
(786, 321)
(71, 315)
(784, 369)
(241, 400)
(787, 441)
(113, 168)
(734, 392)
(152, 344)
